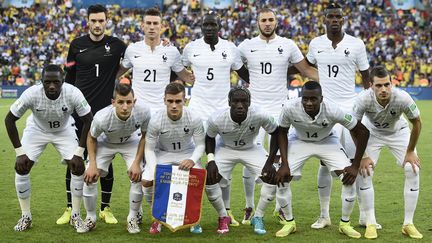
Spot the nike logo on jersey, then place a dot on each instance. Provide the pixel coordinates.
(365, 188)
(29, 189)
(164, 132)
(136, 56)
(296, 121)
(371, 112)
(39, 109)
(109, 131)
(225, 132)
(195, 55)
(320, 51)
(414, 190)
(83, 50)
(254, 50)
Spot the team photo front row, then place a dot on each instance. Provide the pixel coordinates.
(176, 135)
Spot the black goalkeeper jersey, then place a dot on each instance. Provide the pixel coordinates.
(92, 67)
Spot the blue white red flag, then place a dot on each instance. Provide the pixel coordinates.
(177, 197)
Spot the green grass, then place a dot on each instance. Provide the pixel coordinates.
(48, 201)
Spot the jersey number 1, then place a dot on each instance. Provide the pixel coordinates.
(97, 69)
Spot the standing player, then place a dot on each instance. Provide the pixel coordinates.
(175, 136)
(237, 126)
(313, 120)
(52, 104)
(152, 63)
(268, 57)
(92, 64)
(118, 128)
(383, 107)
(212, 60)
(337, 56)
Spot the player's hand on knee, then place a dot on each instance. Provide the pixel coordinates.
(412, 158)
(134, 172)
(349, 175)
(268, 173)
(76, 165)
(186, 164)
(212, 173)
(366, 165)
(91, 175)
(23, 164)
(283, 175)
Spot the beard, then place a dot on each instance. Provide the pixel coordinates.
(267, 35)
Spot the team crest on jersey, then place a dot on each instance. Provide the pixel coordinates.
(280, 50)
(186, 130)
(64, 108)
(107, 50)
(224, 55)
(324, 123)
(164, 57)
(251, 128)
(137, 125)
(347, 52)
(392, 112)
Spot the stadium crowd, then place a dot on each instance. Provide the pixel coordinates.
(32, 37)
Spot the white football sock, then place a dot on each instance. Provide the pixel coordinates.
(23, 189)
(268, 193)
(284, 199)
(348, 196)
(366, 198)
(77, 185)
(226, 195)
(411, 192)
(214, 195)
(249, 188)
(135, 199)
(89, 198)
(148, 194)
(324, 190)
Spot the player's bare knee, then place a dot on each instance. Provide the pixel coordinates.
(146, 183)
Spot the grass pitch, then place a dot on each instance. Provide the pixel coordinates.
(49, 200)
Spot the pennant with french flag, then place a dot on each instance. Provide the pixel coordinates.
(177, 197)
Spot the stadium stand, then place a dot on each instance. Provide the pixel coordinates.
(32, 37)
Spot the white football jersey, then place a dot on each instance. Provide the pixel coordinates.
(175, 136)
(51, 115)
(212, 71)
(337, 67)
(308, 129)
(113, 130)
(385, 120)
(268, 64)
(151, 71)
(239, 136)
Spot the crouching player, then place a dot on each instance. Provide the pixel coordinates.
(383, 106)
(52, 104)
(313, 119)
(175, 136)
(119, 128)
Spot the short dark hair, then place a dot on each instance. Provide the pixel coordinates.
(332, 6)
(123, 89)
(312, 85)
(239, 89)
(97, 8)
(214, 14)
(174, 88)
(52, 68)
(266, 10)
(153, 12)
(380, 72)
